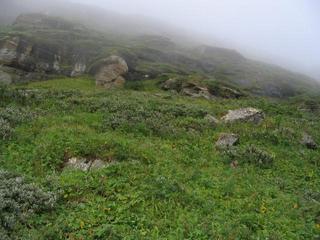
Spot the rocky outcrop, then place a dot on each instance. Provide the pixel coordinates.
(187, 88)
(308, 141)
(25, 55)
(110, 72)
(9, 50)
(193, 90)
(244, 115)
(227, 140)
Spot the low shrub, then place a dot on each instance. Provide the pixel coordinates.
(250, 155)
(16, 115)
(19, 200)
(5, 129)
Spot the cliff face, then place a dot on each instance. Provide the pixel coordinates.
(33, 48)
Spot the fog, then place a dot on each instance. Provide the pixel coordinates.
(283, 32)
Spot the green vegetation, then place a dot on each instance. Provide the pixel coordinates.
(164, 179)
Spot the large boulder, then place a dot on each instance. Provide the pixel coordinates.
(244, 115)
(110, 72)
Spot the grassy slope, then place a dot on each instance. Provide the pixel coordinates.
(169, 182)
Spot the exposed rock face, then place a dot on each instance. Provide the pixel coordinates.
(110, 72)
(22, 54)
(245, 115)
(308, 141)
(227, 140)
(78, 69)
(84, 164)
(8, 50)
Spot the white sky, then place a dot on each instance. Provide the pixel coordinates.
(285, 32)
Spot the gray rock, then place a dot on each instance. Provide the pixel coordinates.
(84, 165)
(78, 69)
(78, 164)
(212, 120)
(227, 140)
(171, 84)
(196, 91)
(244, 114)
(110, 72)
(8, 50)
(308, 141)
(5, 78)
(97, 164)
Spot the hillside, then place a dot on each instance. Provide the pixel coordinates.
(106, 135)
(60, 47)
(162, 176)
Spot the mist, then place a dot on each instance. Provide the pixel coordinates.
(283, 32)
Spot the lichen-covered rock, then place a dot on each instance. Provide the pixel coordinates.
(110, 72)
(84, 164)
(308, 141)
(227, 140)
(244, 114)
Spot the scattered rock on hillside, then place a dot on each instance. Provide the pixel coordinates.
(308, 141)
(196, 91)
(245, 115)
(226, 92)
(110, 72)
(227, 140)
(171, 84)
(212, 120)
(84, 164)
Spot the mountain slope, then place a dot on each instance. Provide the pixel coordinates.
(163, 177)
(58, 46)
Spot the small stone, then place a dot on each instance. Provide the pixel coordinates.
(227, 140)
(78, 164)
(308, 141)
